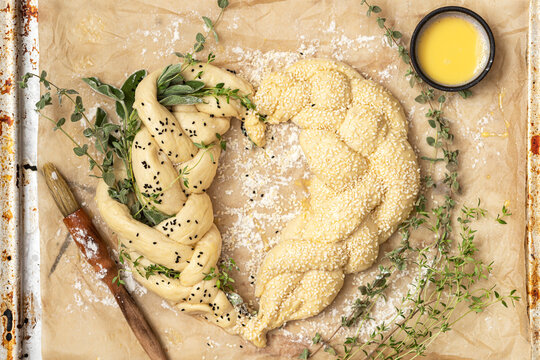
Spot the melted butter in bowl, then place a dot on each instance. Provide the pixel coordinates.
(452, 48)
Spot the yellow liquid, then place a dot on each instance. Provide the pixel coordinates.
(451, 50)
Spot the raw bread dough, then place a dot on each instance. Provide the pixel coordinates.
(354, 136)
(189, 241)
(366, 179)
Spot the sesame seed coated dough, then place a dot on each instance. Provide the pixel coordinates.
(366, 178)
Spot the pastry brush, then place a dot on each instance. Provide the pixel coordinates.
(96, 253)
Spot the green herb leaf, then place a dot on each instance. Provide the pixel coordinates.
(44, 100)
(304, 355)
(208, 22)
(104, 89)
(195, 85)
(170, 73)
(154, 216)
(465, 93)
(234, 298)
(317, 338)
(180, 100)
(59, 123)
(330, 350)
(81, 150)
(128, 88)
(178, 90)
(420, 99)
(223, 3)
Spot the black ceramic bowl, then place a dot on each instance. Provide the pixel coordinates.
(475, 18)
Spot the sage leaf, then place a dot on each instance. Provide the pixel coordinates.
(101, 117)
(128, 88)
(104, 89)
(154, 216)
(196, 85)
(180, 100)
(170, 73)
(178, 90)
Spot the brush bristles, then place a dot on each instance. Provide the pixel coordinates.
(60, 191)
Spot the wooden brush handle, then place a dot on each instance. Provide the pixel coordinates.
(96, 253)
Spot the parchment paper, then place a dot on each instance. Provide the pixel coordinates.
(111, 39)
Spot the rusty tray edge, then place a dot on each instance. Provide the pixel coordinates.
(533, 180)
(19, 233)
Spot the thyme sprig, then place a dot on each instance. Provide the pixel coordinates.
(224, 281)
(145, 271)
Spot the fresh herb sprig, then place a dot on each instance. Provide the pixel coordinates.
(111, 140)
(224, 281)
(145, 271)
(501, 219)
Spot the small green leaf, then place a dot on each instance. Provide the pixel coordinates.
(208, 22)
(109, 178)
(104, 89)
(223, 3)
(76, 116)
(317, 338)
(59, 123)
(180, 100)
(88, 132)
(178, 90)
(441, 99)
(304, 355)
(396, 34)
(80, 151)
(200, 38)
(101, 117)
(23, 83)
(420, 99)
(430, 141)
(432, 123)
(330, 350)
(44, 100)
(376, 9)
(465, 93)
(154, 216)
(381, 21)
(128, 88)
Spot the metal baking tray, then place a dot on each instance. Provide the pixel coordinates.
(19, 233)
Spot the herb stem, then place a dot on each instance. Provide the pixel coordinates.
(69, 137)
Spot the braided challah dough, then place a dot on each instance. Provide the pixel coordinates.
(187, 242)
(354, 136)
